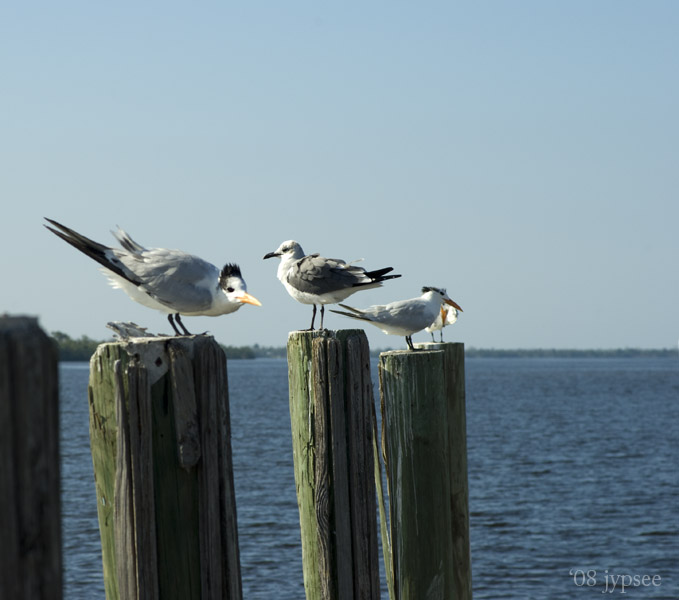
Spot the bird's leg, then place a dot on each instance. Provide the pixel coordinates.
(322, 314)
(313, 318)
(432, 337)
(409, 342)
(442, 336)
(169, 318)
(186, 331)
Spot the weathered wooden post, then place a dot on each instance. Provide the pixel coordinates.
(331, 416)
(160, 435)
(424, 440)
(30, 504)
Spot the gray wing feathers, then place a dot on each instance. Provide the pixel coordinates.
(173, 278)
(185, 281)
(408, 311)
(317, 275)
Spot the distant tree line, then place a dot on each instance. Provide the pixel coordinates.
(74, 349)
(83, 348)
(255, 351)
(572, 353)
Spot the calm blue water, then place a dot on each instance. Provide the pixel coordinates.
(573, 475)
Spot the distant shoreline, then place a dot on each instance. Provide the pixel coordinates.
(572, 353)
(76, 350)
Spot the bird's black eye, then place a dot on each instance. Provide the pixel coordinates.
(229, 289)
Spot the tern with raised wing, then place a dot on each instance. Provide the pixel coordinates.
(314, 279)
(447, 316)
(170, 281)
(404, 317)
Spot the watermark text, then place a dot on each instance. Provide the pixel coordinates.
(613, 582)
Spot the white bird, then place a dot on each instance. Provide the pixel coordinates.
(447, 316)
(170, 281)
(316, 280)
(404, 317)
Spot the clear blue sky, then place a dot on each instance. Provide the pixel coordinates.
(524, 155)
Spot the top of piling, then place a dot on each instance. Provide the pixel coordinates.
(324, 333)
(152, 351)
(17, 322)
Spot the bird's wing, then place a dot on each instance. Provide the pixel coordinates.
(314, 274)
(404, 317)
(395, 312)
(180, 281)
(412, 313)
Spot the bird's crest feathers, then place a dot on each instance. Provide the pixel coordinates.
(230, 270)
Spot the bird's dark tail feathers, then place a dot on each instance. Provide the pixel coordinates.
(94, 250)
(378, 274)
(388, 277)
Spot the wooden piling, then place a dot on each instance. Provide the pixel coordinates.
(331, 417)
(160, 436)
(424, 442)
(30, 506)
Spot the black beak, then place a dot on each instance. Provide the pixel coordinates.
(270, 255)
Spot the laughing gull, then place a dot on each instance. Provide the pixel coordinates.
(170, 281)
(403, 317)
(447, 316)
(316, 280)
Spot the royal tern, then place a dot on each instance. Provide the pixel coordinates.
(316, 280)
(403, 317)
(447, 316)
(170, 281)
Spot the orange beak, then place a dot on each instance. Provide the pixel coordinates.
(453, 304)
(248, 299)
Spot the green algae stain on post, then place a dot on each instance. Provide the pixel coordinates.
(330, 411)
(161, 450)
(303, 434)
(424, 436)
(417, 462)
(103, 443)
